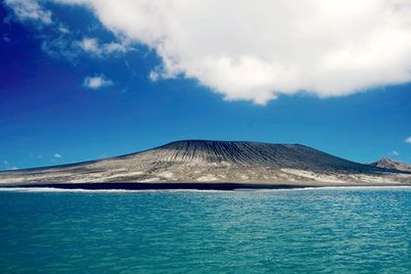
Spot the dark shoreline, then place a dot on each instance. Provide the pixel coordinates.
(162, 186)
(189, 186)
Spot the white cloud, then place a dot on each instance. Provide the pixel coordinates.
(29, 10)
(408, 140)
(63, 29)
(8, 166)
(57, 155)
(60, 46)
(6, 39)
(395, 153)
(90, 45)
(97, 82)
(154, 75)
(93, 46)
(247, 50)
(251, 51)
(113, 47)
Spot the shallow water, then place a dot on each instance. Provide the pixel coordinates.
(279, 231)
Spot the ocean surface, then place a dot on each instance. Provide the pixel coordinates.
(277, 231)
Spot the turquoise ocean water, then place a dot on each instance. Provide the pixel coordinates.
(279, 231)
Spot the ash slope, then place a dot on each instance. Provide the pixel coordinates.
(200, 161)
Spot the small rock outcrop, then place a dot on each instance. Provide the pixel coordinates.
(388, 163)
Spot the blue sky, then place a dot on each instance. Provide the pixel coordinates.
(72, 90)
